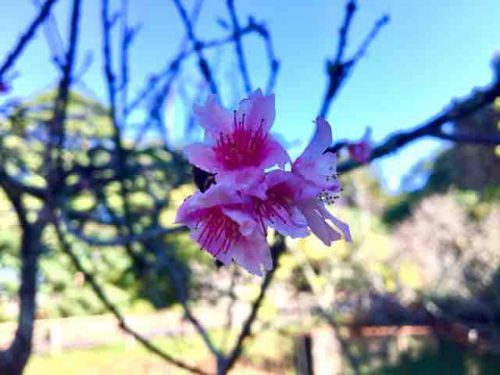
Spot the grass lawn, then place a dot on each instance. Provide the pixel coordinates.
(131, 358)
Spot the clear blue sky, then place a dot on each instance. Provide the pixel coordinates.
(431, 52)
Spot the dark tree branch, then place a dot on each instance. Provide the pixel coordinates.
(99, 291)
(15, 357)
(52, 36)
(468, 138)
(197, 45)
(122, 172)
(433, 127)
(57, 131)
(239, 46)
(350, 9)
(223, 368)
(179, 282)
(363, 48)
(15, 184)
(26, 37)
(124, 241)
(340, 68)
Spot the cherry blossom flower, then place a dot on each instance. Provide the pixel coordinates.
(223, 227)
(244, 188)
(318, 185)
(4, 88)
(278, 209)
(238, 147)
(361, 151)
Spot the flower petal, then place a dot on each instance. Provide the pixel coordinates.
(258, 110)
(253, 254)
(191, 210)
(213, 118)
(320, 141)
(203, 157)
(275, 154)
(340, 225)
(249, 180)
(316, 166)
(244, 219)
(316, 220)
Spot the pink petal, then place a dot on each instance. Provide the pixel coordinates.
(290, 223)
(253, 254)
(320, 141)
(277, 210)
(203, 157)
(316, 166)
(343, 227)
(275, 154)
(217, 195)
(259, 110)
(213, 118)
(244, 219)
(321, 172)
(249, 180)
(318, 225)
(191, 210)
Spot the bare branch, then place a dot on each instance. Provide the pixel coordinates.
(26, 37)
(277, 249)
(468, 138)
(197, 45)
(239, 46)
(339, 69)
(433, 127)
(98, 290)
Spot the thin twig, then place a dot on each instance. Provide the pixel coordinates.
(277, 249)
(98, 290)
(28, 35)
(339, 68)
(239, 46)
(202, 61)
(432, 127)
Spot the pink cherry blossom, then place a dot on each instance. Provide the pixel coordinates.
(223, 227)
(318, 185)
(245, 189)
(238, 147)
(278, 209)
(361, 151)
(4, 88)
(318, 168)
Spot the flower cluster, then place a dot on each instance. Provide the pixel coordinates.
(254, 187)
(4, 88)
(361, 150)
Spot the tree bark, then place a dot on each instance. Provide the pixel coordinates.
(13, 359)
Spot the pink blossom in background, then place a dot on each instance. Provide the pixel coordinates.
(4, 88)
(361, 151)
(250, 190)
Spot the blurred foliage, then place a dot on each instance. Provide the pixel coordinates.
(92, 208)
(459, 167)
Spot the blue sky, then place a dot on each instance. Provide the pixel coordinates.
(430, 53)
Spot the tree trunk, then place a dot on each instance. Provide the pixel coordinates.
(14, 359)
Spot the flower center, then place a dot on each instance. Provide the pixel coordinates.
(218, 231)
(242, 147)
(272, 209)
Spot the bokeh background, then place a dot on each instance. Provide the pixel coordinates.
(95, 109)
